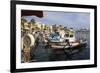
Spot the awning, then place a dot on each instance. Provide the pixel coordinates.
(32, 12)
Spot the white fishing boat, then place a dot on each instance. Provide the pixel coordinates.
(68, 41)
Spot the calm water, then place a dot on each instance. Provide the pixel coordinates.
(85, 53)
(42, 54)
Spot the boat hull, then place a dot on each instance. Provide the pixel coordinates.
(68, 49)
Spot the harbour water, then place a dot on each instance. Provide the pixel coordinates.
(42, 54)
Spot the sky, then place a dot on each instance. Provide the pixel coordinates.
(76, 20)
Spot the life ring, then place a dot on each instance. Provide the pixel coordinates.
(28, 40)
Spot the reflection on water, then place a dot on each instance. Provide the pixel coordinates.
(84, 35)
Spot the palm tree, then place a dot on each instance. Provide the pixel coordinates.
(41, 27)
(33, 21)
(23, 20)
(29, 24)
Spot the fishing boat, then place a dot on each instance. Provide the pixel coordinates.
(66, 42)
